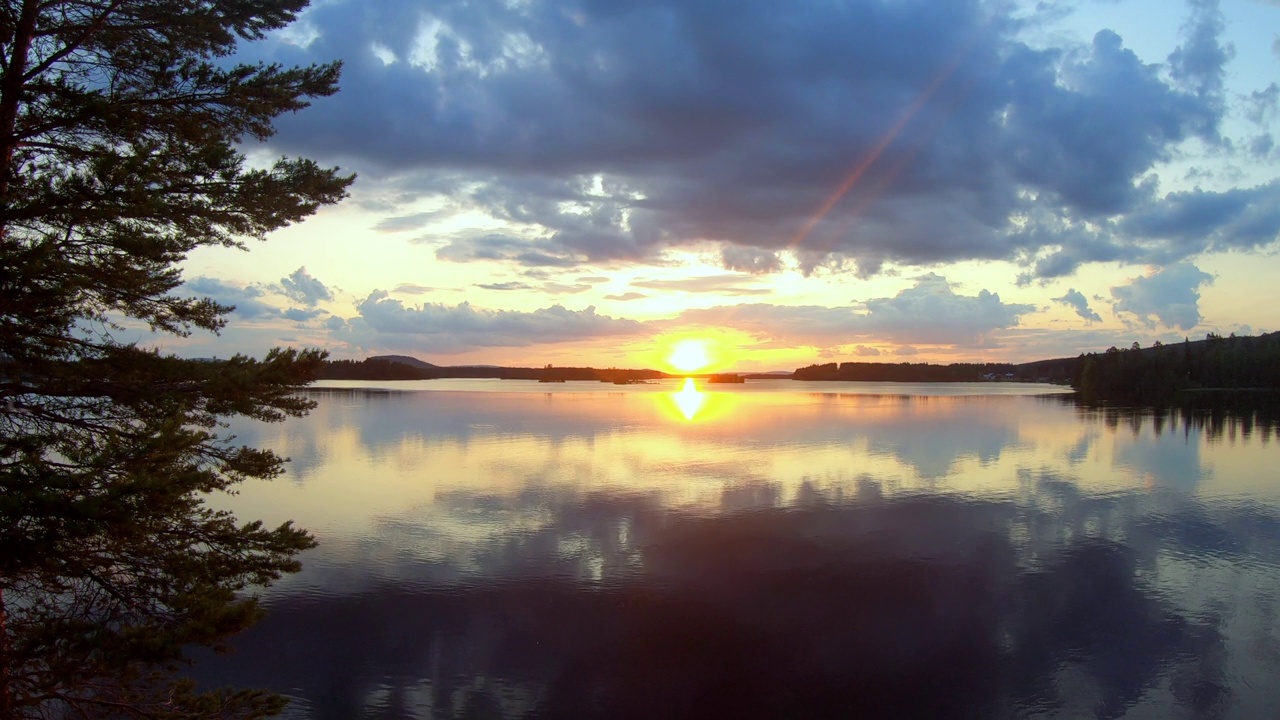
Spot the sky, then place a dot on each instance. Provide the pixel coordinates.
(767, 185)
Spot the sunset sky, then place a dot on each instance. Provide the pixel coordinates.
(589, 182)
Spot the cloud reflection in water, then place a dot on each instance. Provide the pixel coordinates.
(546, 557)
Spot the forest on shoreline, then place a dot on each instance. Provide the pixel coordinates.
(1133, 375)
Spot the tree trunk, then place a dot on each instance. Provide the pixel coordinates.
(11, 94)
(6, 698)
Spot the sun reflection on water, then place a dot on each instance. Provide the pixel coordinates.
(689, 399)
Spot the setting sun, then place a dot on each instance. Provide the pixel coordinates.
(689, 355)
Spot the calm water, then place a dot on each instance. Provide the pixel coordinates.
(500, 549)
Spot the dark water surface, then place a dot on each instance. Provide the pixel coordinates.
(769, 551)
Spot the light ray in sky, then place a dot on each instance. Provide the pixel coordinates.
(854, 177)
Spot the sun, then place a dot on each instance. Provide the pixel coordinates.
(689, 355)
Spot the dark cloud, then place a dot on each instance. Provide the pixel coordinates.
(1076, 300)
(1085, 142)
(505, 286)
(608, 131)
(1160, 230)
(718, 284)
(929, 312)
(384, 322)
(864, 351)
(1083, 246)
(300, 286)
(1171, 296)
(1184, 223)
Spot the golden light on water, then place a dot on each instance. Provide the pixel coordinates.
(689, 399)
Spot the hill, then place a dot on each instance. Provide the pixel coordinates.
(405, 360)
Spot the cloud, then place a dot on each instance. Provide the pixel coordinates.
(1170, 295)
(930, 312)
(750, 260)
(384, 322)
(301, 314)
(505, 286)
(300, 286)
(864, 351)
(1261, 105)
(563, 289)
(605, 132)
(1260, 146)
(718, 284)
(1076, 300)
(412, 289)
(1185, 223)
(519, 251)
(626, 296)
(1199, 63)
(243, 298)
(414, 221)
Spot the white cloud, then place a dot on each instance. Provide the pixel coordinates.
(244, 298)
(930, 312)
(301, 287)
(386, 323)
(1171, 296)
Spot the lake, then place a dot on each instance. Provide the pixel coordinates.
(511, 549)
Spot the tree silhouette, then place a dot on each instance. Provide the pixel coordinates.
(121, 123)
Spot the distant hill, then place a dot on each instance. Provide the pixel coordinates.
(405, 360)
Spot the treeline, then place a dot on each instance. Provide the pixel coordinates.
(375, 369)
(1157, 374)
(1214, 414)
(370, 370)
(907, 372)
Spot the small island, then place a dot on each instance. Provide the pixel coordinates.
(726, 378)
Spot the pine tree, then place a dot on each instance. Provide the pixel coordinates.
(121, 128)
